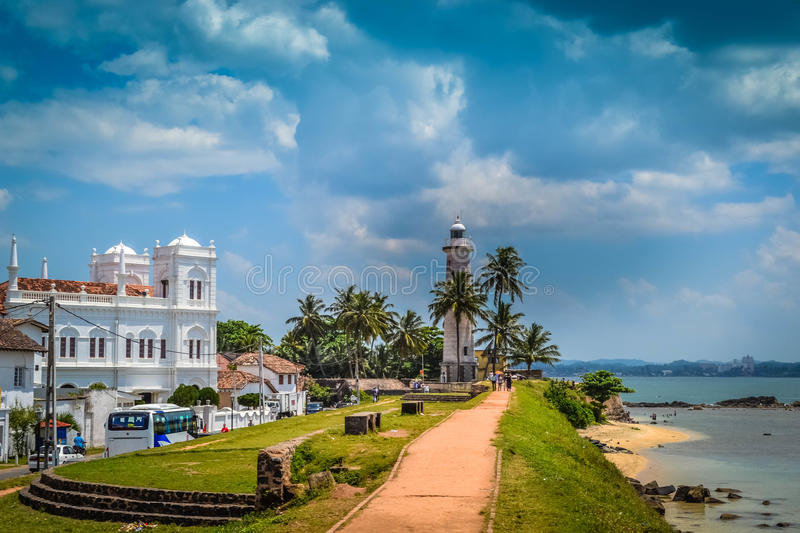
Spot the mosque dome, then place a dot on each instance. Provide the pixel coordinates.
(183, 240)
(127, 250)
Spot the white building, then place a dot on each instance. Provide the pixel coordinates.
(18, 353)
(141, 324)
(281, 373)
(458, 348)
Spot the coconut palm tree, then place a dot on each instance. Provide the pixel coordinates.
(503, 329)
(341, 300)
(365, 318)
(311, 322)
(408, 337)
(461, 296)
(501, 276)
(533, 347)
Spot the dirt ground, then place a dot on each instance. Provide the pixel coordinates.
(445, 480)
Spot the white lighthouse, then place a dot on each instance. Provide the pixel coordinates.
(459, 249)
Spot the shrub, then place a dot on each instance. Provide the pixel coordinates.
(207, 393)
(318, 393)
(248, 400)
(578, 413)
(97, 386)
(21, 421)
(69, 419)
(184, 395)
(600, 386)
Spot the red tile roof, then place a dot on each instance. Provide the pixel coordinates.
(62, 285)
(227, 378)
(279, 365)
(14, 340)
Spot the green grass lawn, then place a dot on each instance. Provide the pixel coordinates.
(553, 480)
(370, 457)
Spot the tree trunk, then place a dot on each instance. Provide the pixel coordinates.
(358, 387)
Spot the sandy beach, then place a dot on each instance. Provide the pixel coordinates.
(634, 437)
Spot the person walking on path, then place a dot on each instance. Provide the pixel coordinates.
(493, 379)
(508, 382)
(374, 394)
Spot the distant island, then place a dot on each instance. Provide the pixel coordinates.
(744, 367)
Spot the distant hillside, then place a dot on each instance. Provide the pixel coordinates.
(637, 367)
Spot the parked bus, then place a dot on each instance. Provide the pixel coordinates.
(148, 426)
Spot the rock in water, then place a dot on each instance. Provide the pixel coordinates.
(765, 502)
(725, 489)
(728, 516)
(666, 490)
(734, 496)
(680, 493)
(697, 494)
(713, 500)
(655, 503)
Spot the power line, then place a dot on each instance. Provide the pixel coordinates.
(20, 306)
(137, 341)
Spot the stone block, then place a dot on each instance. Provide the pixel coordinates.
(320, 480)
(358, 424)
(411, 408)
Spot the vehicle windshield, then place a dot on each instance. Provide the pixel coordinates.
(127, 421)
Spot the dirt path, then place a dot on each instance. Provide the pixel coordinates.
(445, 480)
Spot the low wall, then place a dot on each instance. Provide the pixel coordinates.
(274, 473)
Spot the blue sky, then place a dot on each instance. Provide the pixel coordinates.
(643, 160)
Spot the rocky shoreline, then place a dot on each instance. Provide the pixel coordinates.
(750, 402)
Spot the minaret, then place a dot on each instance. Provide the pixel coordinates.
(44, 268)
(13, 265)
(459, 250)
(122, 276)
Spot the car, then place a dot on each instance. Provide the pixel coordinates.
(66, 454)
(313, 407)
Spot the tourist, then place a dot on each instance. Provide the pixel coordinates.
(508, 382)
(426, 389)
(224, 428)
(493, 379)
(375, 393)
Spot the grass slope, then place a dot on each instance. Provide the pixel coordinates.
(553, 480)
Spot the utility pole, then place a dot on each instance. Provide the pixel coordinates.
(50, 430)
(261, 381)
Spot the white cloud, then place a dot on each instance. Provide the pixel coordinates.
(655, 42)
(698, 299)
(438, 98)
(149, 135)
(5, 199)
(492, 194)
(284, 131)
(245, 27)
(236, 263)
(636, 290)
(782, 251)
(146, 62)
(702, 173)
(773, 87)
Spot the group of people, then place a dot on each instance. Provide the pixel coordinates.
(416, 385)
(501, 381)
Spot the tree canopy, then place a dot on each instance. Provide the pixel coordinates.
(239, 337)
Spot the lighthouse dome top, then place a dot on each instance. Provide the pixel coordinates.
(127, 250)
(183, 240)
(457, 225)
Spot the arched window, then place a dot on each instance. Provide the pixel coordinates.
(197, 283)
(67, 342)
(195, 339)
(146, 340)
(128, 345)
(97, 344)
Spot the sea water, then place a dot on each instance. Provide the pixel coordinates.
(729, 448)
(708, 389)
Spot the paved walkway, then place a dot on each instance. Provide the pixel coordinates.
(445, 480)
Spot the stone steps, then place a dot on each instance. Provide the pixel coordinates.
(90, 513)
(97, 501)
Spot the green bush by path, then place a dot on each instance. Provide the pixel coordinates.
(555, 481)
(579, 413)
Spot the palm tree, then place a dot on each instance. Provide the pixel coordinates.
(533, 347)
(342, 300)
(311, 322)
(503, 328)
(461, 296)
(501, 276)
(408, 337)
(365, 318)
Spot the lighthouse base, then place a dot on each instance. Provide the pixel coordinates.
(469, 372)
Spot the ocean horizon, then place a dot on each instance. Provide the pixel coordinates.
(709, 389)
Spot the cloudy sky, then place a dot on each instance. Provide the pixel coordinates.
(645, 161)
